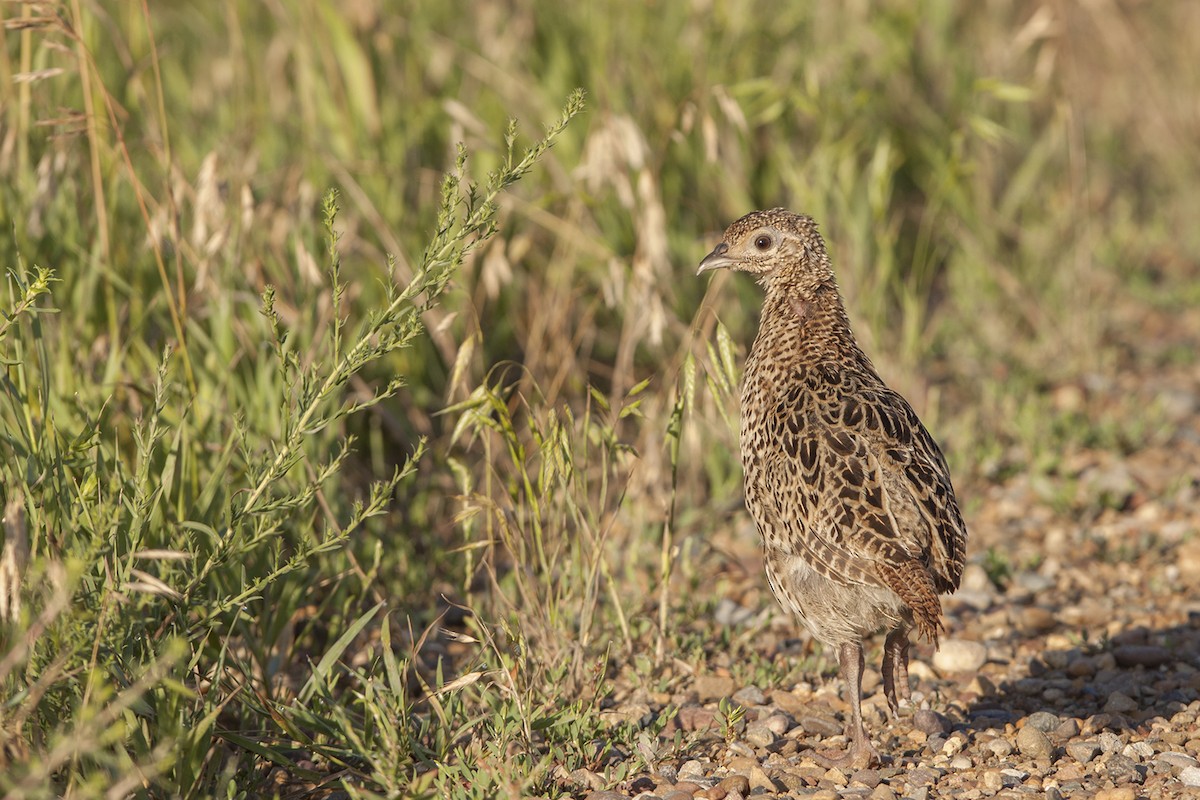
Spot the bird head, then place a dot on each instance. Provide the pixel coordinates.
(773, 244)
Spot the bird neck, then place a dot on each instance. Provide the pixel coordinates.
(806, 324)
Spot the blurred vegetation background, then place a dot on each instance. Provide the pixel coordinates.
(220, 597)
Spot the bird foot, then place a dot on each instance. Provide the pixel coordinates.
(900, 707)
(861, 755)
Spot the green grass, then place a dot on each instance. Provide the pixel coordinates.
(394, 489)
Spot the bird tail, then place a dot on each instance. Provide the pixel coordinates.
(910, 580)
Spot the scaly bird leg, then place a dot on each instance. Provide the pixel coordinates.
(862, 753)
(895, 670)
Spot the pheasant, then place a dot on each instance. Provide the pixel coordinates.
(852, 497)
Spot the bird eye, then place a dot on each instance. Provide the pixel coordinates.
(763, 242)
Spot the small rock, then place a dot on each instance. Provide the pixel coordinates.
(1138, 751)
(1119, 793)
(1033, 582)
(959, 655)
(713, 687)
(975, 579)
(1120, 703)
(1148, 655)
(1176, 760)
(696, 718)
(778, 724)
(993, 781)
(819, 725)
(978, 601)
(1034, 743)
(1122, 769)
(760, 780)
(1082, 668)
(736, 783)
(1035, 620)
(931, 722)
(999, 747)
(676, 794)
(922, 776)
(866, 777)
(1044, 721)
(1190, 776)
(1110, 742)
(1083, 752)
(961, 763)
(729, 613)
(883, 792)
(759, 735)
(605, 796)
(1067, 729)
(750, 696)
(836, 777)
(954, 745)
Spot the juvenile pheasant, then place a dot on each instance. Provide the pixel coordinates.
(852, 497)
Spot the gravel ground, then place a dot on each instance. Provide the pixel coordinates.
(1077, 676)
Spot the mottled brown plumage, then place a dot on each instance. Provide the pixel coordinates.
(861, 530)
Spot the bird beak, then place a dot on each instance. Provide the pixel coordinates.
(716, 259)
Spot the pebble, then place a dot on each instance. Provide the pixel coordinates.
(1110, 742)
(778, 724)
(1044, 721)
(959, 655)
(1119, 793)
(750, 696)
(713, 687)
(999, 747)
(1083, 752)
(994, 780)
(1120, 703)
(1146, 655)
(759, 735)
(883, 792)
(961, 762)
(869, 778)
(819, 725)
(1138, 751)
(1035, 619)
(930, 722)
(954, 745)
(1177, 760)
(1067, 729)
(605, 796)
(736, 783)
(1122, 769)
(1190, 776)
(1034, 743)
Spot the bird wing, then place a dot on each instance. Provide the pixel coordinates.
(875, 504)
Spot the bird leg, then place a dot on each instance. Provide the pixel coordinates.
(862, 753)
(895, 670)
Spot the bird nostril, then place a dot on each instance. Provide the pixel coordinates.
(721, 249)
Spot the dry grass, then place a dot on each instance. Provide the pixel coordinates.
(993, 183)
